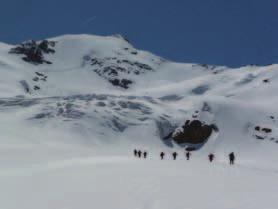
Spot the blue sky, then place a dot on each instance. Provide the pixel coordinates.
(221, 32)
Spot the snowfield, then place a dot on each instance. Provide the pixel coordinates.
(73, 108)
(123, 182)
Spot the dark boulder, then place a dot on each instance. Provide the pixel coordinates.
(266, 80)
(37, 88)
(124, 83)
(257, 128)
(194, 132)
(267, 130)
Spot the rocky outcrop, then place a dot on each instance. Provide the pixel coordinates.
(193, 132)
(263, 133)
(116, 70)
(123, 83)
(34, 51)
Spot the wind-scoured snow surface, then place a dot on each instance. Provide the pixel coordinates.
(70, 123)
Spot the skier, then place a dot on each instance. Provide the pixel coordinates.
(188, 154)
(135, 152)
(175, 155)
(145, 154)
(162, 155)
(139, 153)
(232, 158)
(211, 157)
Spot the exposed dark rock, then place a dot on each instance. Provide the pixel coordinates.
(44, 78)
(113, 70)
(142, 66)
(194, 132)
(257, 128)
(95, 61)
(267, 130)
(214, 127)
(36, 79)
(124, 83)
(34, 51)
(266, 80)
(45, 46)
(39, 74)
(37, 88)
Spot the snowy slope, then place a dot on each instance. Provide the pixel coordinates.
(100, 98)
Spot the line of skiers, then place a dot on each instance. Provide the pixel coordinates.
(139, 153)
(211, 156)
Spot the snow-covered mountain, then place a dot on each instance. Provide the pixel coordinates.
(92, 94)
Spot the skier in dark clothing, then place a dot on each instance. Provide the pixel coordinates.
(211, 157)
(175, 155)
(162, 155)
(232, 158)
(135, 153)
(145, 154)
(188, 154)
(139, 153)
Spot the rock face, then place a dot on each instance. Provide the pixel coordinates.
(193, 132)
(118, 71)
(33, 51)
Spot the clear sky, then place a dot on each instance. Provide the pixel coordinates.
(222, 32)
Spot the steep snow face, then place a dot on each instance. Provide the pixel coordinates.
(75, 64)
(102, 92)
